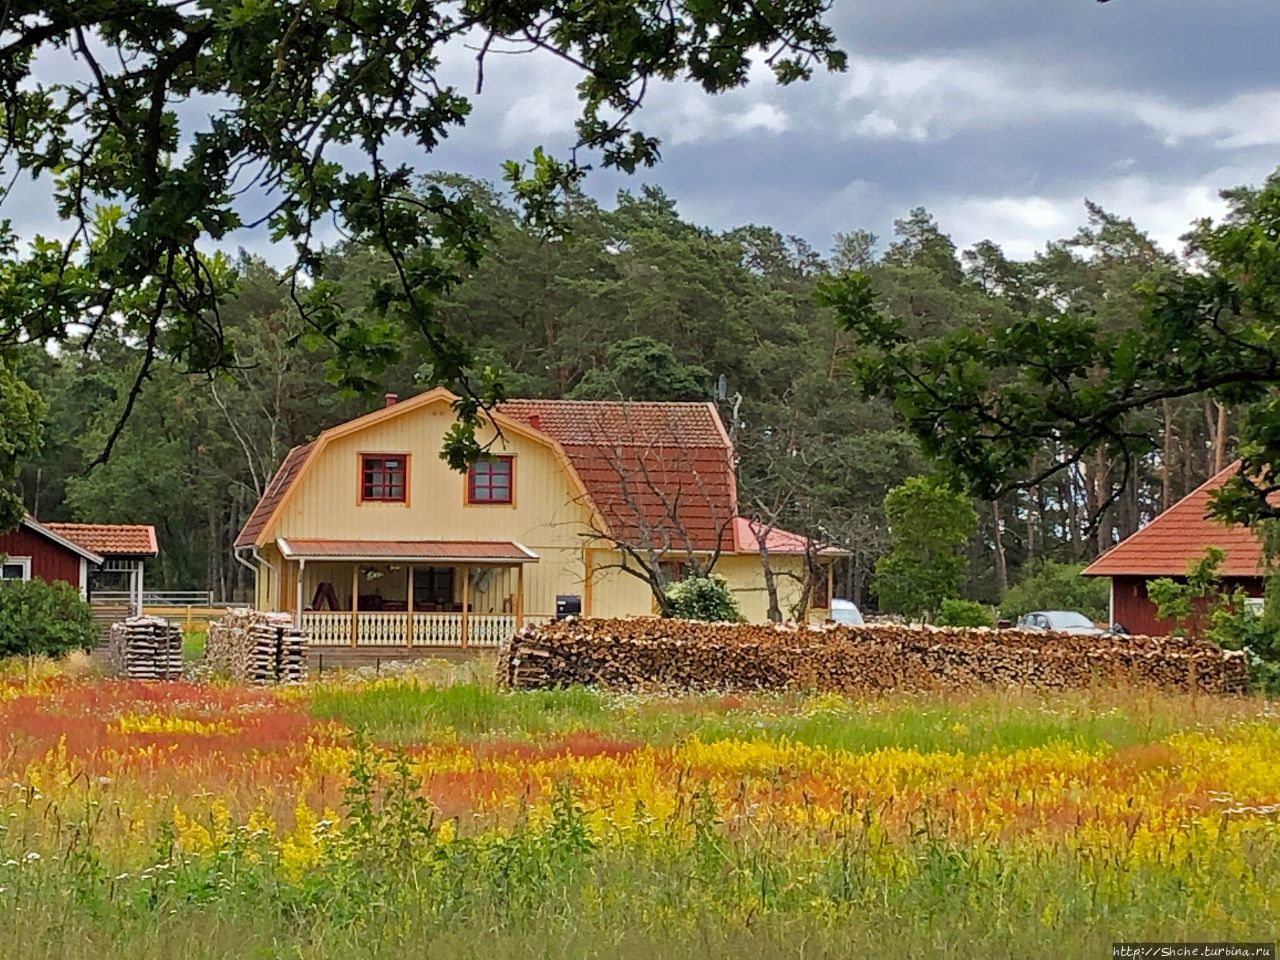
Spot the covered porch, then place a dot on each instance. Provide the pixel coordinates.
(405, 594)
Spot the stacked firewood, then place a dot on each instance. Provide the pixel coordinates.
(145, 648)
(676, 655)
(253, 647)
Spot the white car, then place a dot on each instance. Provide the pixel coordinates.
(1060, 621)
(846, 612)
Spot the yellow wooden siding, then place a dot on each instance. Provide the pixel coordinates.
(547, 516)
(614, 592)
(745, 576)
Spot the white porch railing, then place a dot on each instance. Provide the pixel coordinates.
(489, 629)
(333, 628)
(437, 629)
(381, 629)
(327, 628)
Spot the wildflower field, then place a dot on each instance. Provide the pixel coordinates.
(441, 817)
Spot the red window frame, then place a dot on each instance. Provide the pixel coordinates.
(492, 481)
(380, 483)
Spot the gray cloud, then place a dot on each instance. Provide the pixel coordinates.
(1001, 118)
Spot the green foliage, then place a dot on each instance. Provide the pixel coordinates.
(954, 612)
(1203, 606)
(1057, 586)
(144, 186)
(22, 412)
(703, 598)
(643, 368)
(49, 619)
(929, 524)
(1002, 397)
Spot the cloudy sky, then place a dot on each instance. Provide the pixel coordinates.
(1000, 117)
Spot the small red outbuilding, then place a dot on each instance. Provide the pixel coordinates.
(1165, 546)
(33, 550)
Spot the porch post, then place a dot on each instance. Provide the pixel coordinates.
(297, 605)
(519, 595)
(466, 600)
(408, 605)
(355, 600)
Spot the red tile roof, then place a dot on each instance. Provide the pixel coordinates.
(1164, 546)
(276, 489)
(45, 530)
(461, 551)
(110, 539)
(648, 468)
(746, 537)
(662, 471)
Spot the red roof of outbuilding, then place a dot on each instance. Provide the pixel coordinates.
(110, 539)
(1165, 546)
(662, 470)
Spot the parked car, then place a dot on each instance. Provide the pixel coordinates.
(846, 612)
(1061, 621)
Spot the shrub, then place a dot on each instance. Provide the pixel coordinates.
(964, 613)
(929, 524)
(703, 598)
(38, 618)
(1203, 606)
(1056, 586)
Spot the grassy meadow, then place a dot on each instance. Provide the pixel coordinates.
(438, 816)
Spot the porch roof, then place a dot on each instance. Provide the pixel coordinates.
(427, 551)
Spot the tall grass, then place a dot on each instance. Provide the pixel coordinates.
(406, 712)
(390, 886)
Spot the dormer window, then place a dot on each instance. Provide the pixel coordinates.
(491, 480)
(384, 477)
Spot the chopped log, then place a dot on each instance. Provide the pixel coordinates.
(145, 648)
(680, 655)
(249, 646)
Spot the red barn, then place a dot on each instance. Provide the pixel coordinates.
(1165, 546)
(33, 550)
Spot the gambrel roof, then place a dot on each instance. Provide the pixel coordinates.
(639, 466)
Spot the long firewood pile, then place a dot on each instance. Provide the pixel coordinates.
(250, 646)
(675, 655)
(145, 648)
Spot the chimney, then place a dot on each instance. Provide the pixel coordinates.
(390, 399)
(535, 421)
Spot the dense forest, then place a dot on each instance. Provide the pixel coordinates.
(632, 300)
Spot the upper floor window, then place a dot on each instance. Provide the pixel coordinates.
(384, 476)
(491, 480)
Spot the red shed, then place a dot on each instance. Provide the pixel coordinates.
(1165, 546)
(33, 550)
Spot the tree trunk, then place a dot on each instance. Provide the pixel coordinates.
(1220, 439)
(1166, 456)
(1002, 570)
(770, 581)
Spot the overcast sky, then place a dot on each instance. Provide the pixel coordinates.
(1000, 116)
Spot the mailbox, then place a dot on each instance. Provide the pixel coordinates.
(568, 605)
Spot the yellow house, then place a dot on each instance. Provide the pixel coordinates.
(369, 539)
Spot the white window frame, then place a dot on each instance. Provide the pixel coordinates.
(24, 562)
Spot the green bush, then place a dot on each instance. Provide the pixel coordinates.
(1057, 586)
(703, 598)
(43, 618)
(964, 613)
